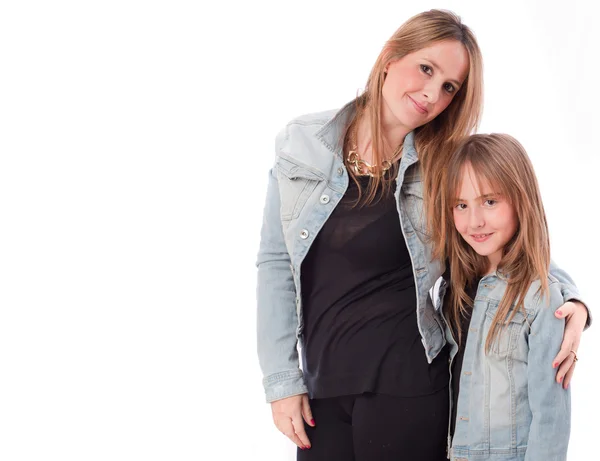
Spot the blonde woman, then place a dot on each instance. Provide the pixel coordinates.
(345, 265)
(500, 308)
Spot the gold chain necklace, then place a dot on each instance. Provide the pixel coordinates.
(364, 168)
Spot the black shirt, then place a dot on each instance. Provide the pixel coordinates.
(360, 325)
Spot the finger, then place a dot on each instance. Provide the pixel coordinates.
(565, 348)
(298, 424)
(564, 368)
(287, 428)
(306, 412)
(565, 311)
(569, 375)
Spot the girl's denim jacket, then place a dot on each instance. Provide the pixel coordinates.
(510, 407)
(307, 181)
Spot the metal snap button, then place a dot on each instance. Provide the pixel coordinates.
(340, 171)
(303, 234)
(324, 199)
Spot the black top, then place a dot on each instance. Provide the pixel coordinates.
(465, 321)
(360, 325)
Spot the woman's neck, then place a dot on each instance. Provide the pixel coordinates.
(393, 136)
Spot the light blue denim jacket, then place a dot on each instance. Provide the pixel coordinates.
(307, 181)
(510, 407)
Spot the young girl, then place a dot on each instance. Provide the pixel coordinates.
(500, 309)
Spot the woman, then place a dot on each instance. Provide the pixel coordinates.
(345, 265)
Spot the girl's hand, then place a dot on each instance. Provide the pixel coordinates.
(287, 416)
(575, 314)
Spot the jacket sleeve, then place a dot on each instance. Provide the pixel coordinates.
(568, 289)
(550, 404)
(277, 321)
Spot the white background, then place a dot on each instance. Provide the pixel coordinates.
(135, 140)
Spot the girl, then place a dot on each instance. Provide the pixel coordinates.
(345, 265)
(500, 309)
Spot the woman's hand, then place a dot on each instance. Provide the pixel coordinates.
(575, 314)
(287, 416)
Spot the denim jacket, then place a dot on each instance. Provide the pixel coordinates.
(306, 183)
(510, 407)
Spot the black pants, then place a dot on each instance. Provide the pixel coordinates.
(377, 427)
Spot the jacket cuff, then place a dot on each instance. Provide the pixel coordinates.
(574, 296)
(284, 384)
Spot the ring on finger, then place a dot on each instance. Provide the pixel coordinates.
(574, 356)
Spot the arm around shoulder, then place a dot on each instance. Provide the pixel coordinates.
(569, 290)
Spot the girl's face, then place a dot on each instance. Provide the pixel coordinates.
(419, 86)
(484, 219)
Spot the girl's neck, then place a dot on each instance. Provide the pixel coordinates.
(493, 262)
(489, 271)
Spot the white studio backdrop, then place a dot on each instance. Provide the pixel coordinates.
(135, 142)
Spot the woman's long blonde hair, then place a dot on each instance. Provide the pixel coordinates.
(499, 161)
(434, 141)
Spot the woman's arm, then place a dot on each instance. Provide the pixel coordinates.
(550, 405)
(277, 320)
(577, 318)
(569, 291)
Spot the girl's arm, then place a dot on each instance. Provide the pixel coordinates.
(550, 404)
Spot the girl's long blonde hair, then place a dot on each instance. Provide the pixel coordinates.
(499, 161)
(436, 140)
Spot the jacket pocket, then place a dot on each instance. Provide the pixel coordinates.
(507, 339)
(296, 184)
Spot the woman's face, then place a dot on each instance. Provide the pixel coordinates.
(419, 86)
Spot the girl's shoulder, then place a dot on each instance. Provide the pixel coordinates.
(536, 299)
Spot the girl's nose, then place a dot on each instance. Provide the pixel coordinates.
(476, 220)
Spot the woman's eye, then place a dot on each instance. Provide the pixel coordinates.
(461, 206)
(426, 69)
(449, 87)
(490, 202)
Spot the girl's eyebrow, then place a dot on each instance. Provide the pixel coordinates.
(484, 196)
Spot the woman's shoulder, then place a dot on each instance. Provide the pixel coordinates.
(313, 118)
(306, 124)
(302, 139)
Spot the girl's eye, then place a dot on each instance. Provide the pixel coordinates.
(490, 202)
(426, 69)
(461, 206)
(449, 87)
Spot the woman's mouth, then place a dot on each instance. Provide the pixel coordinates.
(418, 106)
